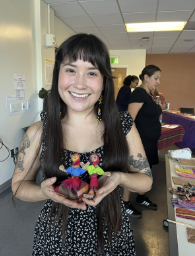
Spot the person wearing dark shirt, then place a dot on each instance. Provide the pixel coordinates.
(145, 111)
(124, 93)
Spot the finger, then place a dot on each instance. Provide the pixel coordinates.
(67, 202)
(49, 182)
(93, 202)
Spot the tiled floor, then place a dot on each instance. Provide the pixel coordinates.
(151, 239)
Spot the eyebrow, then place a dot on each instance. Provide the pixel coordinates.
(74, 66)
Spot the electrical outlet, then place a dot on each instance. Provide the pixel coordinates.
(12, 153)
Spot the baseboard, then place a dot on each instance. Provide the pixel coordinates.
(5, 185)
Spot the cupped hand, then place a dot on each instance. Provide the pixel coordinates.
(48, 192)
(107, 185)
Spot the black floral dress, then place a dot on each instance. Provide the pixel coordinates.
(81, 238)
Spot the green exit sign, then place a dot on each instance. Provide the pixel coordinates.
(114, 60)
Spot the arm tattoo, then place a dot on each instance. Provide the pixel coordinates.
(140, 164)
(24, 145)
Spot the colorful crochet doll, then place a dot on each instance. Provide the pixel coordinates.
(94, 170)
(73, 188)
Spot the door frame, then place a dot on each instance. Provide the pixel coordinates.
(121, 66)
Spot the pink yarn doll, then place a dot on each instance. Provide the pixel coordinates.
(73, 188)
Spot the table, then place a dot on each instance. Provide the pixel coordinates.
(188, 125)
(178, 243)
(170, 136)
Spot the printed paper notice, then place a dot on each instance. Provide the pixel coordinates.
(19, 81)
(48, 72)
(20, 94)
(11, 97)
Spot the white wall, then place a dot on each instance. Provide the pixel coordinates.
(134, 60)
(23, 25)
(16, 48)
(62, 31)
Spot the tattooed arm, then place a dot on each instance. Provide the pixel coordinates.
(27, 165)
(140, 178)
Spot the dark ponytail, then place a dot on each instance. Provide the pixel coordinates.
(129, 79)
(149, 71)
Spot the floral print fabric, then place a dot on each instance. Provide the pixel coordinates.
(81, 237)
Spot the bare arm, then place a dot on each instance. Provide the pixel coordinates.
(140, 180)
(24, 186)
(134, 108)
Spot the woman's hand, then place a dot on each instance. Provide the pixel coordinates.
(48, 192)
(107, 185)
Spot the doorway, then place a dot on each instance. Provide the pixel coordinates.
(120, 74)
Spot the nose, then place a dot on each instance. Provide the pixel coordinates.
(80, 81)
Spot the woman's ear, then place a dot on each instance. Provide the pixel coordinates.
(145, 77)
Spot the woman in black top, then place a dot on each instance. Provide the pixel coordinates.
(146, 111)
(124, 93)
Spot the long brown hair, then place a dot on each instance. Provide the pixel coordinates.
(88, 48)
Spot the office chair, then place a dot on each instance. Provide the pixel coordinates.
(187, 110)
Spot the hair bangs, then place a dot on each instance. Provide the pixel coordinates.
(89, 48)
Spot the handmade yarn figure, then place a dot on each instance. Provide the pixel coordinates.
(73, 188)
(94, 170)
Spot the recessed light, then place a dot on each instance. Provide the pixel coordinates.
(146, 38)
(155, 26)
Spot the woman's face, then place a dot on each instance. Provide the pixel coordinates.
(80, 85)
(134, 83)
(153, 81)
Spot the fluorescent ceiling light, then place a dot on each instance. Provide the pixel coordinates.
(155, 26)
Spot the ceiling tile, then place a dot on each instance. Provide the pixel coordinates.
(77, 21)
(140, 34)
(87, 29)
(193, 49)
(171, 5)
(107, 19)
(128, 6)
(112, 29)
(148, 51)
(116, 36)
(174, 16)
(68, 9)
(179, 49)
(139, 44)
(139, 17)
(187, 34)
(173, 34)
(160, 51)
(193, 17)
(186, 45)
(163, 42)
(100, 7)
(58, 1)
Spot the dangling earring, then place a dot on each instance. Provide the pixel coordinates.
(60, 109)
(145, 81)
(99, 117)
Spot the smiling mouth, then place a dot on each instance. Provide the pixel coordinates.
(79, 95)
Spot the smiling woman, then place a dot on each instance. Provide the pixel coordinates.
(80, 85)
(83, 213)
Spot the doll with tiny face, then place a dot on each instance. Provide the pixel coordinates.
(73, 188)
(94, 170)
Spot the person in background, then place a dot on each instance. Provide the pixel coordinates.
(162, 101)
(145, 111)
(82, 119)
(122, 100)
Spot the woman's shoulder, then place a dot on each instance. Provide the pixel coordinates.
(138, 95)
(126, 121)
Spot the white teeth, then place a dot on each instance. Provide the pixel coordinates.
(79, 95)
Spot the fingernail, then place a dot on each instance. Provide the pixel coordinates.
(100, 192)
(52, 179)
